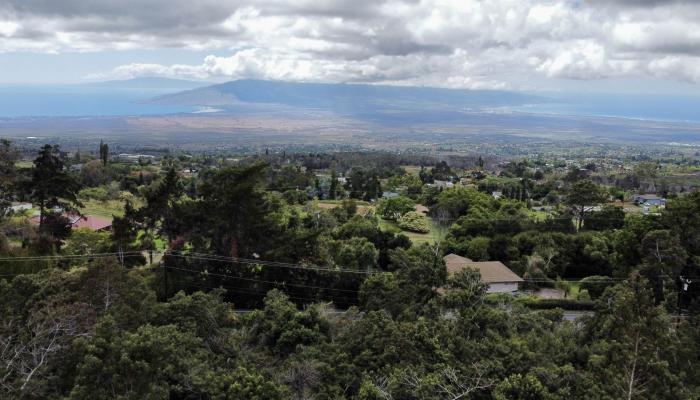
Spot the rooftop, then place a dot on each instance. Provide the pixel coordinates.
(491, 271)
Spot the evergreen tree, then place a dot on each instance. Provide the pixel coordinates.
(333, 191)
(104, 153)
(51, 186)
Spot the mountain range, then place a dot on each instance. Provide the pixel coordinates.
(342, 98)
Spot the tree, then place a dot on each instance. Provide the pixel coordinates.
(609, 217)
(632, 345)
(104, 153)
(518, 387)
(125, 230)
(595, 285)
(51, 186)
(238, 214)
(663, 258)
(414, 221)
(583, 194)
(333, 191)
(8, 174)
(160, 204)
(394, 207)
(357, 253)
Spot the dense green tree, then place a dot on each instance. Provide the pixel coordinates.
(632, 345)
(104, 153)
(663, 259)
(51, 186)
(8, 174)
(609, 217)
(394, 207)
(414, 221)
(582, 195)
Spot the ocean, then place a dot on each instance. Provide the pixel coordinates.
(60, 101)
(670, 108)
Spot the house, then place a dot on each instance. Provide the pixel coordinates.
(649, 200)
(421, 209)
(499, 277)
(20, 207)
(496, 194)
(92, 223)
(389, 195)
(443, 184)
(88, 222)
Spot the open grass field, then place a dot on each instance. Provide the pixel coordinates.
(411, 169)
(416, 238)
(24, 164)
(103, 209)
(362, 206)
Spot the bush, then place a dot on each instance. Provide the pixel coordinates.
(395, 207)
(595, 285)
(414, 222)
(564, 304)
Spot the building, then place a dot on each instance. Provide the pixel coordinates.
(419, 208)
(390, 195)
(649, 200)
(443, 184)
(19, 208)
(499, 277)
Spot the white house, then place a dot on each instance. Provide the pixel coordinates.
(499, 277)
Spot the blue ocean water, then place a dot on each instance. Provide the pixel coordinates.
(662, 107)
(62, 101)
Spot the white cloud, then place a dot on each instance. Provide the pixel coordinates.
(454, 43)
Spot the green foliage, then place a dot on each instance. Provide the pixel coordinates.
(595, 285)
(282, 328)
(51, 186)
(478, 248)
(518, 387)
(394, 208)
(414, 222)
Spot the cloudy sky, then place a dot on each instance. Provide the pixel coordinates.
(513, 44)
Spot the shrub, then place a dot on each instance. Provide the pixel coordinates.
(564, 304)
(414, 222)
(395, 207)
(595, 285)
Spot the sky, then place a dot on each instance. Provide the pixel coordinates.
(597, 45)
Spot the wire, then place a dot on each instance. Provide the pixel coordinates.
(213, 257)
(70, 256)
(260, 292)
(262, 281)
(10, 260)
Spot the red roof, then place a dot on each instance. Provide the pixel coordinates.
(88, 221)
(93, 223)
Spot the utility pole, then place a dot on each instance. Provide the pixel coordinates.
(165, 275)
(684, 285)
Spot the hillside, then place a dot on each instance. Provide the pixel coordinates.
(344, 98)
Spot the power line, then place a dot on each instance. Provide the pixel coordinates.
(259, 292)
(262, 280)
(69, 257)
(213, 257)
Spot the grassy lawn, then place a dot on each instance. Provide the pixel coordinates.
(416, 238)
(575, 289)
(411, 169)
(103, 209)
(24, 164)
